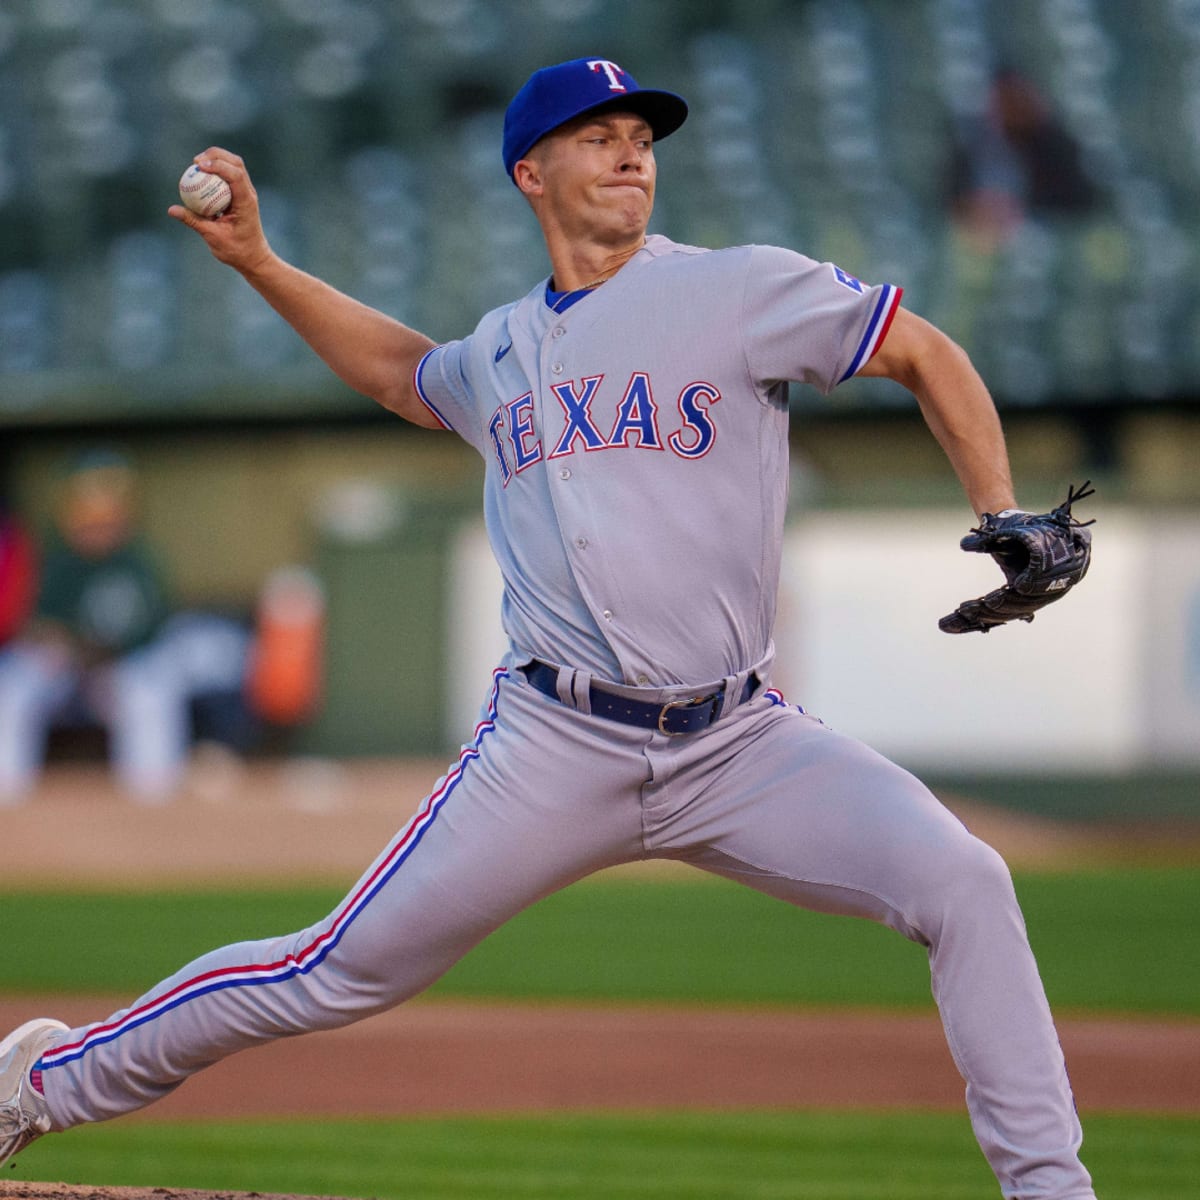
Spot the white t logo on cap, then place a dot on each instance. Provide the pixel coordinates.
(611, 70)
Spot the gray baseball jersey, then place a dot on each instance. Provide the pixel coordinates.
(646, 427)
(636, 447)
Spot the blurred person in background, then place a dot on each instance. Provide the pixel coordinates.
(94, 649)
(1013, 162)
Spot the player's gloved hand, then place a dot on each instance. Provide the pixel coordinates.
(1042, 555)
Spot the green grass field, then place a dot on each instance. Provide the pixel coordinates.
(1120, 940)
(659, 1156)
(1114, 940)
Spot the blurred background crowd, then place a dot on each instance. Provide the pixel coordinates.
(1065, 134)
(1027, 170)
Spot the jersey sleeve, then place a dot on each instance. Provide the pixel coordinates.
(811, 321)
(441, 383)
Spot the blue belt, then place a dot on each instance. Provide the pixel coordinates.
(676, 717)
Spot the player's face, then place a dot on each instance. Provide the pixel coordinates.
(596, 176)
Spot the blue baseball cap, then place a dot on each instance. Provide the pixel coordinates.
(555, 95)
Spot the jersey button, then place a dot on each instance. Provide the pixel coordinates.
(643, 679)
(565, 473)
(558, 331)
(581, 543)
(556, 368)
(607, 614)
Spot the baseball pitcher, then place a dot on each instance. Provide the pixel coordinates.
(631, 410)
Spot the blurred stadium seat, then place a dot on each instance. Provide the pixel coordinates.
(373, 133)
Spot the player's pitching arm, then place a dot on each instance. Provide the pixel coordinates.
(955, 403)
(370, 351)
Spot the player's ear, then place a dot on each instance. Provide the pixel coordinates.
(527, 175)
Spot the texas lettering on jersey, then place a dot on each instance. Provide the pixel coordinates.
(518, 444)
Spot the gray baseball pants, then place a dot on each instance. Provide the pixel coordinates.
(546, 795)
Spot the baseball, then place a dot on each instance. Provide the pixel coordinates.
(206, 195)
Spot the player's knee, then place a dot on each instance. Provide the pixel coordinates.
(984, 871)
(970, 878)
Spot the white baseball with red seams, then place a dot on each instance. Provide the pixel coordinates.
(205, 194)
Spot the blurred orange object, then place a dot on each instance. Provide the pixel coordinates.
(285, 672)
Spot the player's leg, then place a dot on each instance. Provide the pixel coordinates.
(35, 682)
(144, 701)
(798, 811)
(527, 810)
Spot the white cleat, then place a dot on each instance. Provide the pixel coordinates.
(24, 1116)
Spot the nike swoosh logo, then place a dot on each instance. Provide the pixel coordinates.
(503, 351)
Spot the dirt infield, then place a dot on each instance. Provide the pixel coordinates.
(317, 820)
(440, 1058)
(69, 1191)
(270, 822)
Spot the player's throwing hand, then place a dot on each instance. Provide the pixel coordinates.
(235, 237)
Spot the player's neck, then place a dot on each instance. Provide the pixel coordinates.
(588, 267)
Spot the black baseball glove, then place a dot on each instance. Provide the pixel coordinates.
(1042, 555)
